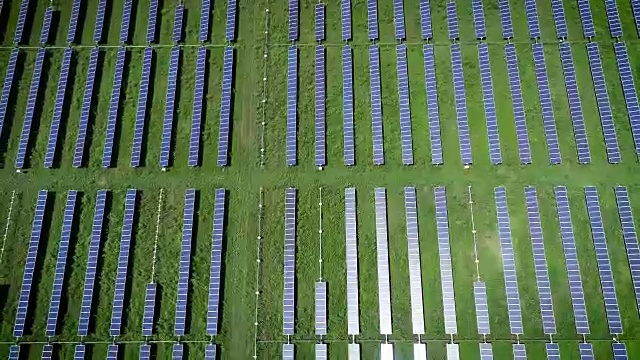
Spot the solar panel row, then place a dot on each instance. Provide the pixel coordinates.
(559, 19)
(420, 351)
(432, 104)
(452, 21)
(386, 351)
(30, 265)
(588, 29)
(486, 351)
(532, 19)
(398, 19)
(79, 352)
(604, 107)
(126, 19)
(292, 107)
(97, 31)
(586, 351)
(615, 27)
(461, 105)
(553, 351)
(30, 109)
(347, 106)
(149, 309)
(413, 251)
(319, 22)
(288, 352)
(22, 17)
(635, 7)
(61, 263)
(185, 262)
(46, 26)
(320, 109)
(372, 19)
(444, 251)
(225, 108)
(425, 20)
(47, 352)
(92, 263)
(73, 21)
(490, 114)
(353, 351)
(625, 213)
(177, 23)
(519, 118)
(177, 351)
(482, 307)
(453, 352)
(151, 23)
(57, 110)
(141, 112)
(216, 263)
(112, 352)
(321, 352)
(346, 19)
(519, 352)
(505, 19)
(382, 249)
(145, 352)
(289, 267)
(546, 105)
(14, 352)
(629, 90)
(376, 105)
(114, 105)
(293, 20)
(210, 352)
(169, 109)
(85, 112)
(403, 102)
(205, 12)
(6, 87)
(198, 103)
(321, 308)
(230, 31)
(619, 351)
(478, 19)
(123, 263)
(351, 246)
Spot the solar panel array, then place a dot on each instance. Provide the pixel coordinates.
(292, 107)
(604, 107)
(629, 90)
(6, 87)
(57, 110)
(205, 12)
(321, 352)
(540, 261)
(288, 300)
(97, 31)
(508, 261)
(177, 351)
(398, 19)
(444, 251)
(149, 309)
(625, 213)
(169, 109)
(377, 133)
(22, 17)
(123, 263)
(532, 18)
(151, 24)
(553, 351)
(177, 23)
(386, 351)
(30, 265)
(403, 102)
(114, 104)
(488, 98)
(28, 113)
(216, 263)
(145, 352)
(185, 262)
(432, 104)
(126, 18)
(79, 352)
(505, 19)
(46, 26)
(141, 113)
(14, 352)
(210, 352)
(419, 351)
(586, 351)
(346, 19)
(425, 20)
(61, 263)
(293, 20)
(372, 19)
(73, 21)
(635, 7)
(619, 351)
(225, 108)
(461, 105)
(615, 27)
(47, 352)
(413, 251)
(571, 261)
(519, 352)
(320, 109)
(320, 22)
(287, 352)
(351, 241)
(112, 352)
(482, 307)
(486, 351)
(382, 247)
(230, 31)
(92, 263)
(347, 106)
(321, 308)
(559, 19)
(587, 20)
(452, 21)
(575, 106)
(546, 105)
(198, 103)
(453, 352)
(478, 19)
(85, 111)
(519, 118)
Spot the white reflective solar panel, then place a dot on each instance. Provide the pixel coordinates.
(354, 351)
(519, 117)
(347, 106)
(495, 154)
(413, 251)
(432, 104)
(289, 267)
(419, 352)
(444, 252)
(482, 307)
(546, 105)
(287, 352)
(57, 110)
(377, 133)
(321, 308)
(382, 248)
(453, 352)
(292, 107)
(386, 351)
(486, 351)
(625, 213)
(353, 313)
(320, 128)
(85, 111)
(321, 352)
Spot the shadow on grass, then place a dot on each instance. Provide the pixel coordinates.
(231, 108)
(4, 20)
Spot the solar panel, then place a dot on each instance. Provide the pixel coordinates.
(126, 18)
(586, 351)
(519, 117)
(398, 19)
(586, 18)
(532, 19)
(478, 19)
(461, 105)
(288, 300)
(85, 111)
(354, 351)
(230, 31)
(635, 7)
(346, 19)
(629, 90)
(615, 27)
(123, 263)
(112, 352)
(92, 263)
(351, 241)
(141, 113)
(22, 17)
(210, 352)
(47, 352)
(559, 19)
(198, 101)
(571, 261)
(508, 261)
(97, 31)
(493, 136)
(482, 307)
(149, 309)
(145, 352)
(377, 133)
(419, 351)
(519, 352)
(347, 106)
(540, 261)
(205, 12)
(386, 351)
(604, 107)
(413, 251)
(177, 351)
(225, 108)
(372, 19)
(185, 262)
(79, 352)
(486, 351)
(619, 351)
(61, 263)
(546, 105)
(321, 308)
(114, 105)
(30, 265)
(444, 251)
(46, 26)
(505, 19)
(287, 352)
(453, 352)
(169, 109)
(575, 106)
(73, 21)
(177, 23)
(553, 351)
(320, 108)
(625, 213)
(425, 20)
(452, 21)
(216, 263)
(405, 108)
(321, 352)
(14, 352)
(293, 20)
(432, 104)
(319, 22)
(292, 106)
(6, 87)
(382, 248)
(29, 111)
(57, 110)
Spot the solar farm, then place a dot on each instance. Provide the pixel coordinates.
(305, 179)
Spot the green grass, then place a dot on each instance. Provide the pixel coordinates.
(245, 177)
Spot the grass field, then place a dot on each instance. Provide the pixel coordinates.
(246, 179)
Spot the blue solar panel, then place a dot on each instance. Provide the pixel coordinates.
(230, 32)
(571, 261)
(532, 18)
(321, 308)
(319, 22)
(493, 136)
(114, 105)
(486, 351)
(405, 108)
(398, 19)
(112, 352)
(177, 352)
(629, 90)
(586, 18)
(149, 309)
(30, 265)
(61, 263)
(425, 20)
(546, 105)
(6, 87)
(321, 156)
(169, 109)
(559, 19)
(376, 105)
(288, 300)
(185, 262)
(46, 26)
(85, 111)
(432, 104)
(225, 108)
(145, 352)
(461, 105)
(482, 307)
(615, 27)
(346, 20)
(57, 110)
(205, 13)
(216, 263)
(575, 106)
(123, 263)
(519, 352)
(635, 7)
(92, 263)
(177, 23)
(47, 352)
(625, 213)
(508, 261)
(80, 351)
(413, 255)
(29, 111)
(73, 21)
(586, 351)
(553, 351)
(210, 352)
(372, 19)
(478, 19)
(452, 21)
(198, 99)
(97, 31)
(22, 17)
(126, 18)
(351, 247)
(619, 351)
(519, 117)
(293, 20)
(151, 23)
(141, 112)
(505, 19)
(347, 106)
(292, 107)
(14, 352)
(444, 253)
(604, 107)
